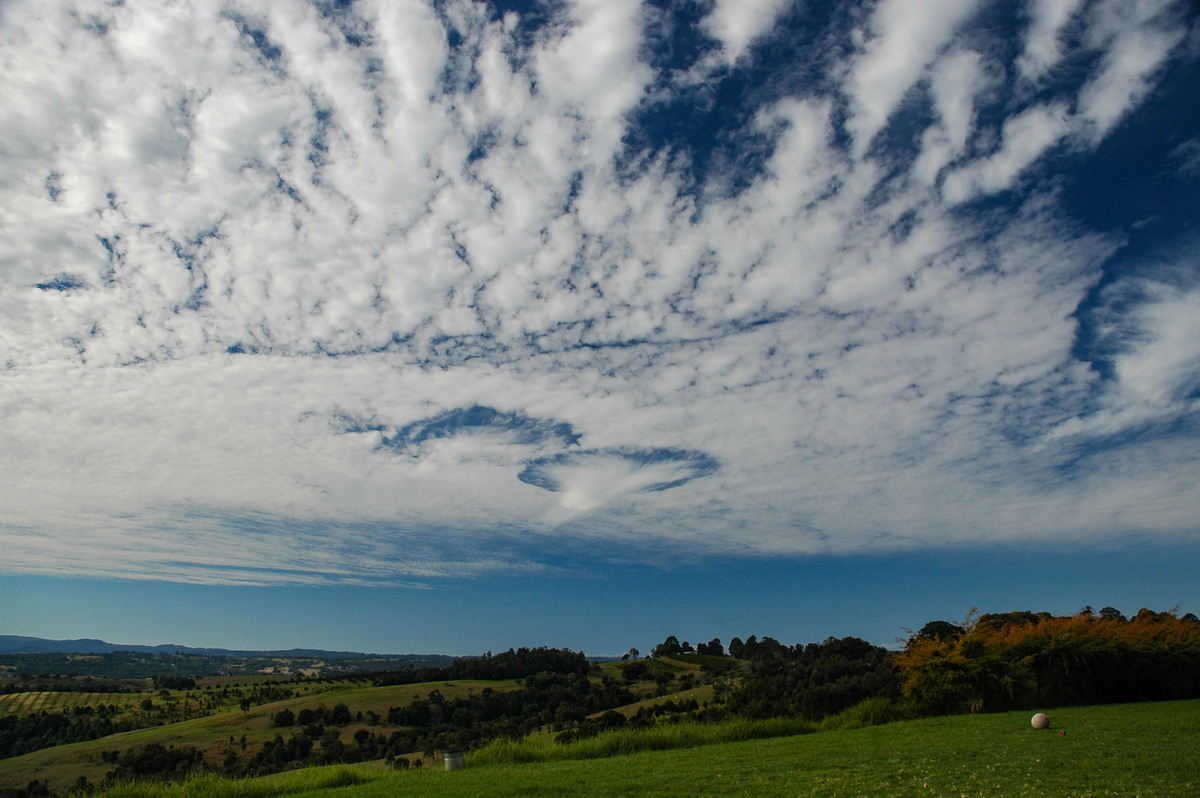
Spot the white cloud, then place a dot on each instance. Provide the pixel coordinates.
(955, 82)
(1044, 47)
(1187, 156)
(240, 252)
(1150, 327)
(1165, 365)
(1025, 138)
(737, 23)
(901, 39)
(1136, 38)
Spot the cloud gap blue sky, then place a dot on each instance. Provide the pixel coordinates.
(341, 282)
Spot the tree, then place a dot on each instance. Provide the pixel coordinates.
(1019, 660)
(940, 630)
(633, 652)
(635, 670)
(668, 647)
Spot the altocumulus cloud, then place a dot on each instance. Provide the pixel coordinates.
(381, 292)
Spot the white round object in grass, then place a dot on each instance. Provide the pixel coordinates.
(1040, 721)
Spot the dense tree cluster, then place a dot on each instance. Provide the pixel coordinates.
(155, 761)
(73, 683)
(338, 715)
(768, 647)
(1020, 660)
(814, 680)
(21, 734)
(434, 722)
(136, 665)
(545, 699)
(511, 664)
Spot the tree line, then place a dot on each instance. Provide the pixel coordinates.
(22, 734)
(1022, 660)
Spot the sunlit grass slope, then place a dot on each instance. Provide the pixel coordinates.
(1120, 750)
(27, 703)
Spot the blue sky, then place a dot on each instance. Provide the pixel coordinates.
(449, 326)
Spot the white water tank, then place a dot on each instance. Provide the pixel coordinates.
(454, 759)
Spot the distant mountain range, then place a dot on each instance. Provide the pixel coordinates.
(16, 644)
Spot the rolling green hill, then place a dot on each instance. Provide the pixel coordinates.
(1116, 750)
(61, 765)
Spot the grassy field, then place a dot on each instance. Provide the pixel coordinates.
(700, 695)
(60, 765)
(29, 702)
(26, 703)
(1122, 750)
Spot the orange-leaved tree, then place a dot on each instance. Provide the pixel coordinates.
(1020, 660)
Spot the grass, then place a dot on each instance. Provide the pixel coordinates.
(205, 786)
(61, 765)
(28, 703)
(1142, 749)
(621, 742)
(1119, 750)
(700, 695)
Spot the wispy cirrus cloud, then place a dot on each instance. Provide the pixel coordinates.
(455, 277)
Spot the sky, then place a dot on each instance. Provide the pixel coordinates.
(447, 326)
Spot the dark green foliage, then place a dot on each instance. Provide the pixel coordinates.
(940, 630)
(314, 719)
(592, 726)
(156, 762)
(1000, 620)
(118, 665)
(668, 648)
(813, 681)
(434, 722)
(767, 648)
(546, 699)
(73, 683)
(340, 715)
(1112, 614)
(635, 671)
(21, 734)
(511, 664)
(35, 789)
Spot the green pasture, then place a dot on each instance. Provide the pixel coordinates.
(1118, 750)
(700, 695)
(361, 698)
(697, 662)
(27, 703)
(212, 732)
